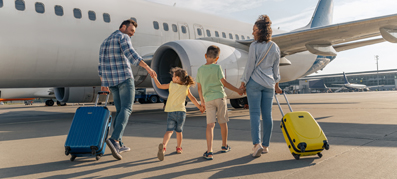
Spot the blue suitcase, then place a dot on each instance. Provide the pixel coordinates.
(89, 130)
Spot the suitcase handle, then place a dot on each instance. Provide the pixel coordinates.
(279, 106)
(107, 97)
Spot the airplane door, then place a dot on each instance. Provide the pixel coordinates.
(198, 31)
(183, 30)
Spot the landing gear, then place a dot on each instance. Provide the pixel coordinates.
(49, 103)
(61, 103)
(153, 99)
(239, 103)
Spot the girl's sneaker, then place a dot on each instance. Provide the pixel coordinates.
(178, 150)
(161, 152)
(207, 155)
(225, 149)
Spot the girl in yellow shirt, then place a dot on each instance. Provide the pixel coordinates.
(175, 107)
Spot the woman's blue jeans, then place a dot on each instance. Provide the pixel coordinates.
(123, 96)
(260, 100)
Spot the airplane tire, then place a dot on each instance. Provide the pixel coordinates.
(239, 103)
(49, 103)
(153, 99)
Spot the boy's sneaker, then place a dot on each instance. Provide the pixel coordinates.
(207, 156)
(124, 149)
(161, 152)
(178, 150)
(114, 147)
(225, 149)
(257, 151)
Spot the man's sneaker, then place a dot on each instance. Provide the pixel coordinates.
(257, 151)
(161, 152)
(124, 149)
(114, 147)
(225, 149)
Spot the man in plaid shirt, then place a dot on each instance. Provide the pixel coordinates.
(115, 59)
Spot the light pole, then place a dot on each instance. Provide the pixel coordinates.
(377, 69)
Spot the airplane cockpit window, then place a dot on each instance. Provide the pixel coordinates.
(183, 29)
(91, 15)
(1, 3)
(39, 7)
(237, 38)
(199, 32)
(20, 5)
(165, 26)
(106, 17)
(208, 33)
(77, 13)
(134, 19)
(242, 37)
(216, 34)
(230, 36)
(58, 10)
(174, 28)
(156, 25)
(223, 34)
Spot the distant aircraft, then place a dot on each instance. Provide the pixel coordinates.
(351, 86)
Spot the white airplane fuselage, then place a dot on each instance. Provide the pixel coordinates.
(46, 50)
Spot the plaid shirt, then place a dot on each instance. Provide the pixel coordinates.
(115, 58)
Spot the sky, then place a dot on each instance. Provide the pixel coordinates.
(292, 14)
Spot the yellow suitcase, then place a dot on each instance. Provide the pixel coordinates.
(302, 133)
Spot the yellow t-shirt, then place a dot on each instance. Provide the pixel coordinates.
(176, 98)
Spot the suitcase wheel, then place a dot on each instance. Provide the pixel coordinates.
(72, 158)
(98, 157)
(320, 154)
(296, 156)
(67, 150)
(326, 145)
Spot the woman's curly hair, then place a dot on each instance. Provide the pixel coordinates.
(264, 26)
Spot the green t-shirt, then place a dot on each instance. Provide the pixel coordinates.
(209, 76)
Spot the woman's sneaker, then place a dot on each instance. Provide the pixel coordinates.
(257, 151)
(225, 149)
(179, 150)
(208, 155)
(161, 152)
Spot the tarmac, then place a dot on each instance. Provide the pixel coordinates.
(361, 128)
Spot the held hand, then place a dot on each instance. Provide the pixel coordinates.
(105, 88)
(154, 75)
(202, 109)
(240, 91)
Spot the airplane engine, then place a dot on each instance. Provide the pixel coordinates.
(189, 55)
(79, 94)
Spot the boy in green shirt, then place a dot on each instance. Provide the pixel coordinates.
(210, 82)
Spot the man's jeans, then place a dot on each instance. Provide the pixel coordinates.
(123, 96)
(260, 99)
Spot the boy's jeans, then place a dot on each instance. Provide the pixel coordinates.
(260, 99)
(123, 96)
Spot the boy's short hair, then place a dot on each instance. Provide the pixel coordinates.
(128, 23)
(213, 51)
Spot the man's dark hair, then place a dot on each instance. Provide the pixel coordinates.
(213, 51)
(128, 23)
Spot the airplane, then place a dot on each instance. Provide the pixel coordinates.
(27, 94)
(56, 43)
(351, 86)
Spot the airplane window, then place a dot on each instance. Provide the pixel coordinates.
(223, 34)
(165, 26)
(20, 5)
(58, 10)
(106, 17)
(242, 37)
(39, 7)
(216, 34)
(1, 3)
(183, 29)
(174, 28)
(134, 19)
(77, 13)
(208, 33)
(91, 15)
(156, 25)
(237, 38)
(230, 36)
(199, 32)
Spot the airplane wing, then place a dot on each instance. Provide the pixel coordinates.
(324, 40)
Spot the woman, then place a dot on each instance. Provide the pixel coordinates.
(260, 79)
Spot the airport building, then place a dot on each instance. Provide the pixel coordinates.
(382, 80)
